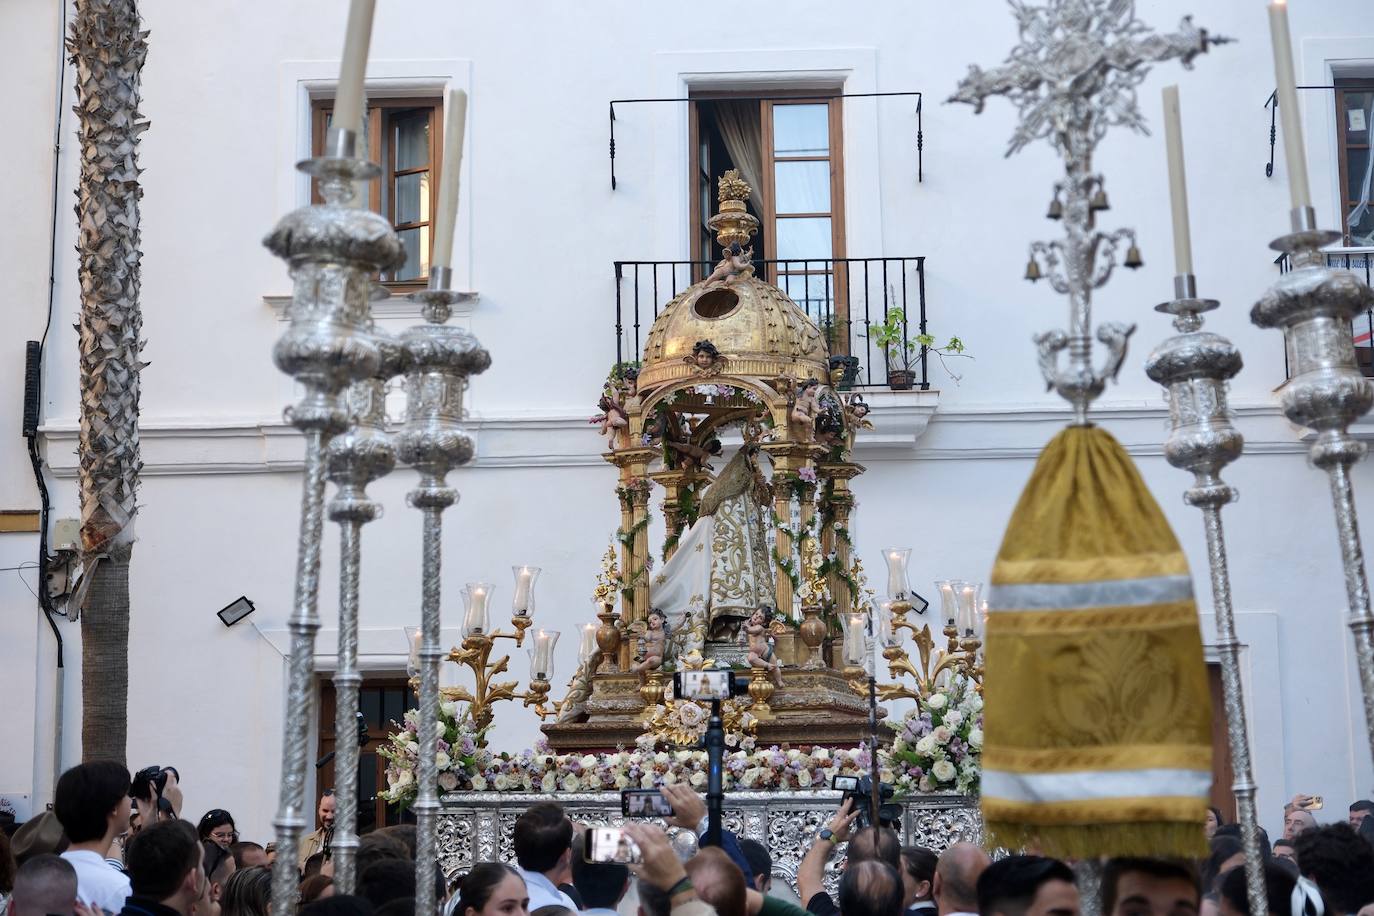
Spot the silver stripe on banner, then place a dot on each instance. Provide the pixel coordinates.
(1095, 785)
(1074, 595)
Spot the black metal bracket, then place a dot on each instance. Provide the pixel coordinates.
(920, 131)
(1272, 103)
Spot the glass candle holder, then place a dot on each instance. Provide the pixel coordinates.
(541, 655)
(476, 597)
(898, 558)
(888, 635)
(949, 599)
(413, 655)
(522, 602)
(970, 603)
(855, 640)
(587, 647)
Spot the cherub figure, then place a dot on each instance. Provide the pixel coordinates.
(760, 643)
(738, 262)
(694, 457)
(855, 418)
(803, 415)
(613, 418)
(705, 358)
(653, 643)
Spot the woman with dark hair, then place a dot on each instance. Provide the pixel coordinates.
(217, 826)
(1213, 821)
(247, 892)
(492, 889)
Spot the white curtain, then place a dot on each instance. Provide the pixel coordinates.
(1363, 207)
(739, 127)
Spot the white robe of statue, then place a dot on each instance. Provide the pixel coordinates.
(724, 558)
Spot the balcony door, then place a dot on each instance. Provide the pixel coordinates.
(789, 150)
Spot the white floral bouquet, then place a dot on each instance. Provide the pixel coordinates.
(457, 753)
(940, 742)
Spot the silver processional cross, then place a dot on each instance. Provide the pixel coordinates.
(1072, 77)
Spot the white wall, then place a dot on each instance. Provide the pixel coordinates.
(538, 231)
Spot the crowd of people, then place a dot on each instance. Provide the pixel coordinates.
(112, 844)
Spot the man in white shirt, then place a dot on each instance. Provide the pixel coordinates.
(543, 853)
(92, 803)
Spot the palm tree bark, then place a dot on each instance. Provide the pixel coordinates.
(108, 48)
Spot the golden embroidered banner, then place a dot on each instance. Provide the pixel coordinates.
(1097, 720)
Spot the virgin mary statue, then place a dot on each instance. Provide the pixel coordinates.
(724, 557)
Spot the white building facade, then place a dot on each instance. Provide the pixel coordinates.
(230, 89)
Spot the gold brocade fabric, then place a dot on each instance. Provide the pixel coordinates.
(1098, 713)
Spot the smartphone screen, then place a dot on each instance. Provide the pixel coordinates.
(644, 803)
(609, 844)
(705, 685)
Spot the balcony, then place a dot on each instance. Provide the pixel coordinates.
(1360, 261)
(846, 297)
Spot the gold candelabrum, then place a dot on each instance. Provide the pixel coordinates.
(962, 608)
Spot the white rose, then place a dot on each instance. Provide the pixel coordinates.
(750, 777)
(698, 779)
(821, 753)
(646, 781)
(622, 781)
(403, 779)
(793, 754)
(500, 782)
(975, 737)
(449, 708)
(941, 735)
(549, 783)
(670, 778)
(684, 756)
(926, 745)
(954, 718)
(527, 782)
(442, 761)
(943, 770)
(448, 781)
(413, 747)
(937, 701)
(479, 784)
(804, 778)
(926, 784)
(662, 757)
(571, 783)
(589, 762)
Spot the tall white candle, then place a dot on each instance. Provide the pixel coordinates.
(476, 595)
(348, 102)
(541, 659)
(523, 601)
(447, 215)
(588, 646)
(897, 559)
(1178, 183)
(1298, 191)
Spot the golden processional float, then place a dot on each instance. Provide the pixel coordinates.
(756, 570)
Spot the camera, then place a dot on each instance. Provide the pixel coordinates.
(889, 814)
(644, 803)
(610, 844)
(709, 685)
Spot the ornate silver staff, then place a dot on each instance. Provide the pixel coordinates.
(363, 454)
(1195, 366)
(332, 249)
(1314, 305)
(440, 358)
(1072, 77)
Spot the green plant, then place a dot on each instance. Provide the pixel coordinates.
(891, 337)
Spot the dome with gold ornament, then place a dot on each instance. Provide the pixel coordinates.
(732, 323)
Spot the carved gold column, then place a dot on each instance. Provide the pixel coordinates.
(785, 468)
(841, 500)
(637, 572)
(675, 484)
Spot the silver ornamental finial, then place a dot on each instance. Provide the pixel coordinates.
(1072, 77)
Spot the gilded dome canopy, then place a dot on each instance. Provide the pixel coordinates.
(755, 328)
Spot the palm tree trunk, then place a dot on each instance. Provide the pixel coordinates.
(108, 48)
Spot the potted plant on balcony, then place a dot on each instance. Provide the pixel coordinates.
(898, 349)
(902, 352)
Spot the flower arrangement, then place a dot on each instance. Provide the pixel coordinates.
(940, 742)
(457, 752)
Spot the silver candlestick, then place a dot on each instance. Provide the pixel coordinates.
(1314, 305)
(332, 249)
(440, 358)
(356, 458)
(1073, 76)
(1196, 367)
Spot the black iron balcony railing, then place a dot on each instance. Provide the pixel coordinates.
(846, 297)
(1361, 262)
